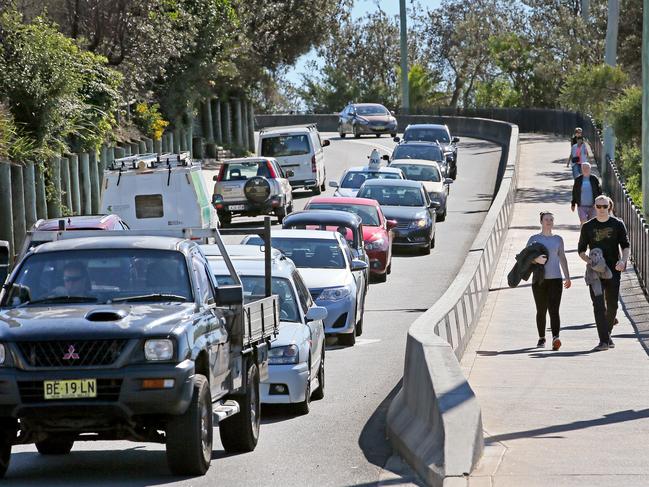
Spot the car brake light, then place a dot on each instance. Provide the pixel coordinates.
(271, 170)
(221, 173)
(314, 167)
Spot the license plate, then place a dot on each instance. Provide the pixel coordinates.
(236, 207)
(379, 127)
(70, 389)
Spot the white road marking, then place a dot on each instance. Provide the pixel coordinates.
(366, 341)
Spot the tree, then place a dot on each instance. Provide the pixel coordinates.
(423, 87)
(590, 89)
(626, 115)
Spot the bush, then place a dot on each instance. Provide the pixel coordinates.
(626, 116)
(57, 93)
(630, 164)
(149, 120)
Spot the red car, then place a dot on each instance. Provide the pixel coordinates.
(377, 231)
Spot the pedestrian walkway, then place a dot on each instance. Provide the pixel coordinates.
(571, 417)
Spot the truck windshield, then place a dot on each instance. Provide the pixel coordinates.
(100, 276)
(254, 288)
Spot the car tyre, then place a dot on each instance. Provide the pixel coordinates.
(281, 214)
(382, 277)
(378, 136)
(8, 429)
(323, 186)
(319, 393)
(316, 190)
(341, 132)
(389, 269)
(190, 435)
(302, 408)
(425, 250)
(441, 218)
(432, 242)
(357, 134)
(240, 433)
(54, 446)
(225, 219)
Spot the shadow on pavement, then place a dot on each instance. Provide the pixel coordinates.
(612, 418)
(373, 441)
(543, 195)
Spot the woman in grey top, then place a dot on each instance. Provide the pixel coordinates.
(547, 294)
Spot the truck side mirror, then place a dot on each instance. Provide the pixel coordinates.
(4, 260)
(228, 295)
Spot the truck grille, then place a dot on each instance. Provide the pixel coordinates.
(71, 353)
(33, 391)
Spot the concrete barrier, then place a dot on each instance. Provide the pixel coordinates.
(434, 421)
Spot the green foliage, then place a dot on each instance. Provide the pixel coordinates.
(54, 90)
(630, 163)
(496, 93)
(589, 89)
(626, 115)
(149, 120)
(423, 87)
(13, 145)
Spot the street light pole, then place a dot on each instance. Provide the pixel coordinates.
(645, 108)
(610, 57)
(405, 89)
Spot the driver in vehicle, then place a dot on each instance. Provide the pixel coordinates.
(76, 281)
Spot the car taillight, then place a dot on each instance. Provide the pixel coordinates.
(271, 170)
(221, 173)
(314, 166)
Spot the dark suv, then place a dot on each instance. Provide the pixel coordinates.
(431, 132)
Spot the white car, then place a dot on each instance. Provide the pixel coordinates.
(298, 149)
(334, 278)
(430, 176)
(354, 177)
(296, 371)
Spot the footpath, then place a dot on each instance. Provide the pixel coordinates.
(571, 417)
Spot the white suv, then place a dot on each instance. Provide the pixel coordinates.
(299, 149)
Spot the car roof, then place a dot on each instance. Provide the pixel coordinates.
(336, 217)
(393, 182)
(373, 169)
(310, 234)
(76, 222)
(132, 242)
(419, 142)
(367, 105)
(249, 260)
(274, 132)
(421, 162)
(427, 126)
(247, 159)
(343, 200)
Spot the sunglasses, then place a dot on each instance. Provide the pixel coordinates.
(72, 278)
(601, 207)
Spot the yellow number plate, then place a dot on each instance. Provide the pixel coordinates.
(70, 389)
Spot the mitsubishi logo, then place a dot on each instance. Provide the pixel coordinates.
(71, 355)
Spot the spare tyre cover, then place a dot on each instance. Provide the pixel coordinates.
(257, 189)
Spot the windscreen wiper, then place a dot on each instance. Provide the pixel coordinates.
(61, 299)
(150, 297)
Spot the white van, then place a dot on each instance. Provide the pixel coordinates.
(155, 192)
(299, 149)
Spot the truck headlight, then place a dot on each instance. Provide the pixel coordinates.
(288, 354)
(421, 223)
(3, 354)
(334, 293)
(159, 349)
(376, 244)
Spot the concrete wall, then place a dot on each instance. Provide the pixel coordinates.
(434, 422)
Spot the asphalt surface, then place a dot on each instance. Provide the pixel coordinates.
(342, 440)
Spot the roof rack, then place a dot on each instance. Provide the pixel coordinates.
(301, 126)
(150, 161)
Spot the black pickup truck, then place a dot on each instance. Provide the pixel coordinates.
(126, 336)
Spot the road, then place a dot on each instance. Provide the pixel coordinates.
(342, 440)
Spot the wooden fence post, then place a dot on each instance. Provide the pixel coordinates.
(66, 187)
(94, 183)
(18, 205)
(226, 126)
(74, 184)
(54, 177)
(41, 195)
(84, 180)
(29, 188)
(251, 128)
(216, 121)
(6, 210)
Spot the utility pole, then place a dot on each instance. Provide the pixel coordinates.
(405, 88)
(610, 57)
(585, 9)
(645, 109)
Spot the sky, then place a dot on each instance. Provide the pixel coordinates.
(361, 7)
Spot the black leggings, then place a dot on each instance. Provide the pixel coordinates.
(547, 297)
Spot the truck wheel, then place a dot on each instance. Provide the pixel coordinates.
(8, 428)
(320, 391)
(54, 446)
(348, 339)
(189, 436)
(239, 433)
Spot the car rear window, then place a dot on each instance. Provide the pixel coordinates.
(369, 214)
(427, 134)
(420, 172)
(285, 145)
(357, 178)
(308, 253)
(149, 206)
(240, 171)
(425, 152)
(393, 195)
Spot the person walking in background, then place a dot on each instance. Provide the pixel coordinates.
(578, 133)
(609, 234)
(547, 293)
(584, 191)
(578, 155)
